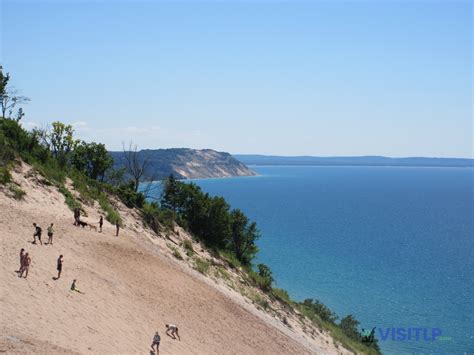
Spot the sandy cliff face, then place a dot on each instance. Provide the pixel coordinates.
(190, 163)
(132, 284)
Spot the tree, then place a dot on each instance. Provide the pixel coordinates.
(266, 276)
(243, 236)
(136, 165)
(265, 272)
(10, 97)
(170, 194)
(216, 230)
(61, 139)
(349, 326)
(93, 159)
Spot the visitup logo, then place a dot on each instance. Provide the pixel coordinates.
(404, 334)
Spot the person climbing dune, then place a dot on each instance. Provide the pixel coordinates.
(37, 233)
(173, 329)
(156, 341)
(74, 288)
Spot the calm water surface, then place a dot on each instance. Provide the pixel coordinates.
(392, 246)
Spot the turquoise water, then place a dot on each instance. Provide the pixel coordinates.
(393, 246)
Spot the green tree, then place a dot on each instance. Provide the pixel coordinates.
(349, 326)
(243, 236)
(171, 193)
(266, 276)
(92, 158)
(264, 271)
(60, 140)
(316, 307)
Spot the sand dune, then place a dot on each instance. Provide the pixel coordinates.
(132, 288)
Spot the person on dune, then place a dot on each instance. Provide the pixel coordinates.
(156, 341)
(174, 331)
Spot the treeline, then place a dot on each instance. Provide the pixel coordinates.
(211, 219)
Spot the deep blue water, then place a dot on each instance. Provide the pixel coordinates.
(393, 246)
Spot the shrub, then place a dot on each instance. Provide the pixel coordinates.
(17, 192)
(131, 198)
(71, 202)
(281, 295)
(111, 214)
(176, 253)
(230, 258)
(188, 245)
(314, 307)
(222, 273)
(5, 176)
(51, 171)
(349, 326)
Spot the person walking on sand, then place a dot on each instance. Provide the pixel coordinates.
(101, 223)
(37, 233)
(77, 216)
(26, 266)
(117, 228)
(50, 234)
(174, 331)
(59, 266)
(156, 341)
(22, 257)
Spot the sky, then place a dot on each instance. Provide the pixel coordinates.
(265, 77)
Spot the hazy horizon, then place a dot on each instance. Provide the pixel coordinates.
(273, 78)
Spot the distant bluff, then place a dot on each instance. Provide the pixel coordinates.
(185, 163)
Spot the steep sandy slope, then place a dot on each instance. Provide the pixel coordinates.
(132, 288)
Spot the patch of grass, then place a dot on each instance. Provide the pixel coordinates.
(17, 192)
(51, 171)
(5, 176)
(71, 202)
(82, 186)
(263, 283)
(176, 253)
(188, 246)
(202, 266)
(222, 273)
(111, 214)
(281, 295)
(261, 301)
(230, 258)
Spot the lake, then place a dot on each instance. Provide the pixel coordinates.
(393, 246)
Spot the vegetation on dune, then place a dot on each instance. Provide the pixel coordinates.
(227, 233)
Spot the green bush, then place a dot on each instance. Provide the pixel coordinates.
(312, 307)
(349, 326)
(5, 176)
(188, 245)
(71, 202)
(230, 258)
(176, 253)
(17, 192)
(130, 198)
(281, 295)
(157, 218)
(51, 171)
(111, 214)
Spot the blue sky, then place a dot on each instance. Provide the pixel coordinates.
(288, 78)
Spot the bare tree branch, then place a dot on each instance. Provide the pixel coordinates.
(136, 165)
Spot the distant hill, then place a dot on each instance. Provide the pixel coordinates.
(187, 163)
(353, 161)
